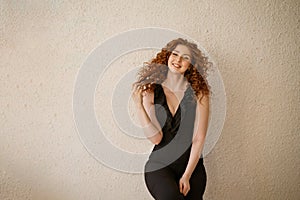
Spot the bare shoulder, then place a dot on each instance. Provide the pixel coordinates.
(203, 101)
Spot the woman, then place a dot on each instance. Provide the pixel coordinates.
(172, 101)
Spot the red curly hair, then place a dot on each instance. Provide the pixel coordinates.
(156, 70)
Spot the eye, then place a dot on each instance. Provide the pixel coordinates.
(174, 54)
(186, 57)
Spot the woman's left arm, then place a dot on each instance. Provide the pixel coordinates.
(200, 129)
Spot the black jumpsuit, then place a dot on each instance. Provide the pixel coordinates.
(168, 160)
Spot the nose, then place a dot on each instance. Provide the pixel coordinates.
(178, 58)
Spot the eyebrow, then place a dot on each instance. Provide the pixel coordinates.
(183, 54)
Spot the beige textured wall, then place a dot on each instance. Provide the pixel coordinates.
(43, 44)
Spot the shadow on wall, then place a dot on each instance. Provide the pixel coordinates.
(236, 168)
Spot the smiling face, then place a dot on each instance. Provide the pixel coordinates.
(180, 59)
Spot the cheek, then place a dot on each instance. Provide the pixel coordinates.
(169, 61)
(186, 65)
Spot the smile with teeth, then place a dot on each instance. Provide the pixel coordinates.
(176, 65)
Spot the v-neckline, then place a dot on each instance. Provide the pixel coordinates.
(168, 108)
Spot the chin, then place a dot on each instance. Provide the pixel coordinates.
(175, 71)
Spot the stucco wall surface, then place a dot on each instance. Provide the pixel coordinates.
(43, 44)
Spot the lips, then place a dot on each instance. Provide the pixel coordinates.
(176, 65)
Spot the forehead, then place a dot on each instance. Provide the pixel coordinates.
(182, 49)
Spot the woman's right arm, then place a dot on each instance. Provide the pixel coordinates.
(146, 114)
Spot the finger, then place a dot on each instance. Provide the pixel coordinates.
(180, 187)
(143, 93)
(139, 90)
(186, 190)
(135, 93)
(136, 88)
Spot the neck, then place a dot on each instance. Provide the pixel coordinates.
(175, 81)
